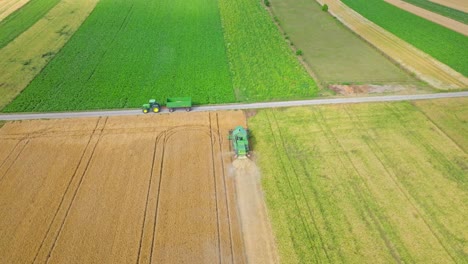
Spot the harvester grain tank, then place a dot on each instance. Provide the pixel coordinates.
(240, 142)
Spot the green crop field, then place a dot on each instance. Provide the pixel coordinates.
(366, 183)
(441, 10)
(335, 54)
(19, 21)
(263, 67)
(445, 45)
(129, 51)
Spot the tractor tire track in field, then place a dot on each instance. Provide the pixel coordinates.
(9, 154)
(409, 196)
(304, 224)
(347, 100)
(374, 220)
(26, 142)
(424, 66)
(213, 142)
(67, 190)
(229, 222)
(310, 212)
(80, 181)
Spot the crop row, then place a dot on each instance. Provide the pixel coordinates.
(445, 45)
(20, 20)
(129, 51)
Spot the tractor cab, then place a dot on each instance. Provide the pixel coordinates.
(152, 106)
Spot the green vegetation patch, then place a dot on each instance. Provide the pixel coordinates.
(129, 51)
(335, 54)
(363, 183)
(262, 65)
(445, 45)
(23, 18)
(441, 10)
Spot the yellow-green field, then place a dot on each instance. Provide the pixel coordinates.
(366, 183)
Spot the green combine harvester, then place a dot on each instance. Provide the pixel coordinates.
(152, 106)
(240, 142)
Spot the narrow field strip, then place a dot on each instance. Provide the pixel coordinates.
(23, 58)
(262, 66)
(461, 5)
(425, 67)
(19, 21)
(8, 7)
(436, 18)
(441, 9)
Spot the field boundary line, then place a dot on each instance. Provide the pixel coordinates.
(76, 191)
(204, 108)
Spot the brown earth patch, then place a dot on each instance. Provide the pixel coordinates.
(461, 5)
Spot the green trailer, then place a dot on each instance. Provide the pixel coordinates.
(240, 142)
(179, 102)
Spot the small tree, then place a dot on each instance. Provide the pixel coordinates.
(267, 3)
(298, 52)
(325, 8)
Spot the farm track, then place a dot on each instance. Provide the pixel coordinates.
(165, 196)
(348, 100)
(424, 66)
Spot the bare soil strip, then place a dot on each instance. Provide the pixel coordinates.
(461, 5)
(436, 18)
(424, 66)
(24, 58)
(140, 189)
(10, 6)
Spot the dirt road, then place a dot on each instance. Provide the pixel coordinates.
(424, 66)
(139, 189)
(436, 18)
(347, 100)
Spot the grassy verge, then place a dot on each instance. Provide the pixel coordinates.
(129, 51)
(357, 184)
(334, 53)
(262, 65)
(445, 45)
(441, 10)
(23, 18)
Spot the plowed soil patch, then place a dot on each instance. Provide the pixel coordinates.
(142, 189)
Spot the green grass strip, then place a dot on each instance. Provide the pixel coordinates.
(441, 10)
(445, 45)
(262, 64)
(23, 18)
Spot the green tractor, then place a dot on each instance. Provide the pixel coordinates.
(240, 142)
(152, 106)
